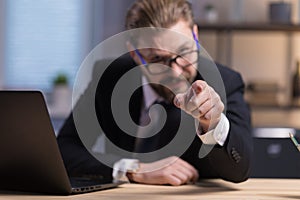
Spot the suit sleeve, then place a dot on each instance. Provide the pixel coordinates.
(76, 157)
(232, 161)
(80, 132)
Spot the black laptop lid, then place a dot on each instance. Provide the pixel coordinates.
(29, 155)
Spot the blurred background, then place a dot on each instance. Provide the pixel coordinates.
(43, 43)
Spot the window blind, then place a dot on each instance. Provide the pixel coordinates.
(42, 40)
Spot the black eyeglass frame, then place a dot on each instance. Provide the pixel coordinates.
(171, 60)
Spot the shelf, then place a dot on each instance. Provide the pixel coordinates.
(225, 34)
(248, 27)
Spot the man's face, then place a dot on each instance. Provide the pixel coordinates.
(171, 64)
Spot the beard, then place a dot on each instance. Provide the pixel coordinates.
(170, 86)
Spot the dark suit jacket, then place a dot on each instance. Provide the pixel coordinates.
(230, 162)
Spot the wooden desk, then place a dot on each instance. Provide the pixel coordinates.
(212, 189)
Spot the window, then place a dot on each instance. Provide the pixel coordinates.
(42, 39)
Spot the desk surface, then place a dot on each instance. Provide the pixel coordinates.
(211, 189)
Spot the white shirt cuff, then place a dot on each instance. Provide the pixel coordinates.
(124, 165)
(217, 135)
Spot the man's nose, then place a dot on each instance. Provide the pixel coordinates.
(176, 68)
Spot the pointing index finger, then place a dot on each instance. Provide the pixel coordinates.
(198, 87)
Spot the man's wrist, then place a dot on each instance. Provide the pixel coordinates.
(124, 167)
(131, 177)
(136, 176)
(217, 135)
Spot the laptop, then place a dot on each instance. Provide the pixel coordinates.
(275, 154)
(30, 159)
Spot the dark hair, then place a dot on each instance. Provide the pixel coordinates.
(158, 13)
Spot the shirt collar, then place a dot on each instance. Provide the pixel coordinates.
(150, 96)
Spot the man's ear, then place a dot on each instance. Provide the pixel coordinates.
(195, 30)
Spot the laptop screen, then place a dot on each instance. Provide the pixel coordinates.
(30, 159)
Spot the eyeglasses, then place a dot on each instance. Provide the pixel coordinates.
(183, 60)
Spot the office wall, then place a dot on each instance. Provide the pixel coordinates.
(102, 19)
(114, 16)
(2, 21)
(108, 19)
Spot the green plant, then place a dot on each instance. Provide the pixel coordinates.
(60, 79)
(209, 7)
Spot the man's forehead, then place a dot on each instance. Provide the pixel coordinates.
(164, 41)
